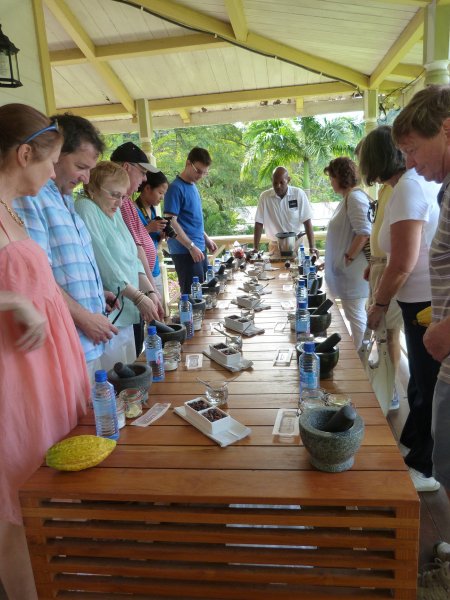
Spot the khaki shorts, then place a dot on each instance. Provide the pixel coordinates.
(394, 319)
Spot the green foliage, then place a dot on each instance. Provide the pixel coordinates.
(244, 157)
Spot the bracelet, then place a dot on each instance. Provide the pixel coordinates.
(138, 298)
(149, 292)
(348, 257)
(381, 305)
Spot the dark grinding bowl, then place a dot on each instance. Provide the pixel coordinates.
(328, 360)
(197, 304)
(317, 299)
(319, 323)
(143, 378)
(177, 335)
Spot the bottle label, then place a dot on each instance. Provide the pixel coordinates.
(186, 316)
(154, 355)
(197, 293)
(309, 380)
(302, 326)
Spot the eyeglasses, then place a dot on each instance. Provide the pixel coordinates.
(141, 170)
(115, 195)
(372, 212)
(112, 303)
(53, 127)
(199, 171)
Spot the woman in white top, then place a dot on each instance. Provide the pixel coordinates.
(348, 233)
(410, 220)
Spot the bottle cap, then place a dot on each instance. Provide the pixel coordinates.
(309, 346)
(302, 304)
(185, 297)
(306, 255)
(151, 330)
(312, 269)
(210, 267)
(100, 376)
(301, 282)
(195, 279)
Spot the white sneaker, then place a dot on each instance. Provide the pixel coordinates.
(434, 582)
(442, 551)
(395, 402)
(422, 483)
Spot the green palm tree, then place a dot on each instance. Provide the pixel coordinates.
(298, 144)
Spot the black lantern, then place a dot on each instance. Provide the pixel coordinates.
(9, 69)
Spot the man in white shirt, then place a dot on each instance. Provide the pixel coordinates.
(283, 208)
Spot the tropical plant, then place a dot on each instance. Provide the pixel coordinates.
(300, 144)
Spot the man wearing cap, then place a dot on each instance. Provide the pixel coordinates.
(135, 162)
(51, 220)
(183, 203)
(281, 209)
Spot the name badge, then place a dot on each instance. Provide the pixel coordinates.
(292, 203)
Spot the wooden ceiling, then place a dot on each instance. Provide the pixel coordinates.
(215, 61)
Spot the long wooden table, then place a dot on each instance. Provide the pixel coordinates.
(172, 515)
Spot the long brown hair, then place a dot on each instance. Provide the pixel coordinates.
(17, 123)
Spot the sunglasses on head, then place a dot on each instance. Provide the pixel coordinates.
(52, 127)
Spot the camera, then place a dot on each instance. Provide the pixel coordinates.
(168, 229)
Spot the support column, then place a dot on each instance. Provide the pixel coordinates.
(436, 44)
(370, 110)
(145, 128)
(144, 117)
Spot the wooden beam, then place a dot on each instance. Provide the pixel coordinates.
(255, 95)
(299, 105)
(191, 18)
(235, 10)
(73, 27)
(418, 3)
(185, 103)
(408, 71)
(103, 111)
(44, 58)
(412, 33)
(151, 47)
(185, 115)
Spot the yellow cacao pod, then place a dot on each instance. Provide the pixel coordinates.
(79, 452)
(424, 316)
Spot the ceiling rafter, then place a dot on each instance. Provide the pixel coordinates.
(150, 47)
(238, 20)
(185, 115)
(190, 18)
(73, 27)
(186, 103)
(412, 33)
(44, 59)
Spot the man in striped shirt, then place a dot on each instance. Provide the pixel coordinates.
(422, 132)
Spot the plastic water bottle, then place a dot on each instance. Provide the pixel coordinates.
(311, 276)
(154, 354)
(186, 316)
(104, 402)
(301, 255)
(302, 321)
(309, 367)
(306, 264)
(217, 264)
(302, 292)
(209, 273)
(196, 288)
(226, 255)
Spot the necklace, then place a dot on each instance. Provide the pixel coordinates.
(14, 215)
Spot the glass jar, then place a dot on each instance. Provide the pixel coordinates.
(208, 301)
(133, 399)
(312, 398)
(217, 393)
(172, 356)
(120, 409)
(198, 320)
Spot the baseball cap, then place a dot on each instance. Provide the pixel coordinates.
(131, 153)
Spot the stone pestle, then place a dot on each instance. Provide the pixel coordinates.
(123, 371)
(342, 420)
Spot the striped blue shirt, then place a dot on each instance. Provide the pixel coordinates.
(52, 222)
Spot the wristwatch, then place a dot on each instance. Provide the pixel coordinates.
(191, 245)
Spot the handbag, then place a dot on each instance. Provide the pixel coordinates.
(377, 363)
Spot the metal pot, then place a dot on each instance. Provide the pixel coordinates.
(286, 242)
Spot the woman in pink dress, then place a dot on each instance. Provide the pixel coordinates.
(44, 385)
